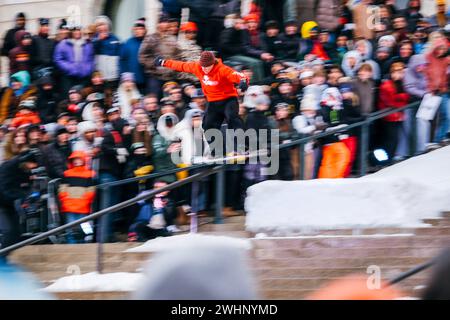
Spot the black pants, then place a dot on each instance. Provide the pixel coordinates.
(391, 132)
(218, 111)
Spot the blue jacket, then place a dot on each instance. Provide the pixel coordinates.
(64, 58)
(129, 59)
(107, 53)
(109, 46)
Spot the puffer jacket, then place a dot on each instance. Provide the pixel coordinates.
(64, 57)
(77, 190)
(107, 56)
(11, 100)
(327, 14)
(155, 45)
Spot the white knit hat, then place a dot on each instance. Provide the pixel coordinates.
(86, 126)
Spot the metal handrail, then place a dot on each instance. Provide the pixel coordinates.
(411, 272)
(370, 118)
(111, 209)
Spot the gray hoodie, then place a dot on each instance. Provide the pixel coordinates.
(207, 272)
(415, 82)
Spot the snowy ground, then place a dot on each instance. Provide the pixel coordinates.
(191, 240)
(90, 282)
(398, 196)
(124, 281)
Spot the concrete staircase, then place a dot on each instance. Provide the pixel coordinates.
(285, 267)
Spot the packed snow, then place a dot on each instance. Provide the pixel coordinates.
(398, 196)
(191, 240)
(95, 282)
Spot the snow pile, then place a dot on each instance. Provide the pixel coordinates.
(94, 282)
(191, 240)
(398, 196)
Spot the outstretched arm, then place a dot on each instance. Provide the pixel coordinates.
(180, 66)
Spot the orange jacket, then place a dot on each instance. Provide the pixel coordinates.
(218, 84)
(29, 118)
(77, 191)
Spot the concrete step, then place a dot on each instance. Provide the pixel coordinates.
(352, 241)
(222, 227)
(336, 262)
(388, 272)
(375, 253)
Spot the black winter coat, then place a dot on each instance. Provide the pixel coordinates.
(42, 50)
(55, 159)
(14, 182)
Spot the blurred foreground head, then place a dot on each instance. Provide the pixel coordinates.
(354, 287)
(201, 273)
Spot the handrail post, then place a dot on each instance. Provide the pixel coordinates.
(301, 158)
(220, 191)
(364, 148)
(413, 132)
(101, 228)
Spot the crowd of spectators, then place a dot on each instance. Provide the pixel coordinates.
(99, 110)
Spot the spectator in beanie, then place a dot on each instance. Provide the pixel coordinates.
(310, 43)
(25, 115)
(9, 41)
(126, 93)
(20, 89)
(20, 56)
(74, 104)
(46, 100)
(74, 57)
(107, 49)
(336, 156)
(129, 55)
(290, 41)
(43, 47)
(76, 195)
(57, 153)
(87, 131)
(93, 109)
(161, 43)
(412, 14)
(271, 39)
(393, 95)
(284, 124)
(309, 122)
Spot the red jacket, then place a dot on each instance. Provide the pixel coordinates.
(218, 84)
(25, 118)
(389, 98)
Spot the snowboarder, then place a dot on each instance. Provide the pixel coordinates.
(218, 84)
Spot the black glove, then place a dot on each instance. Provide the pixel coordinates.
(159, 61)
(243, 85)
